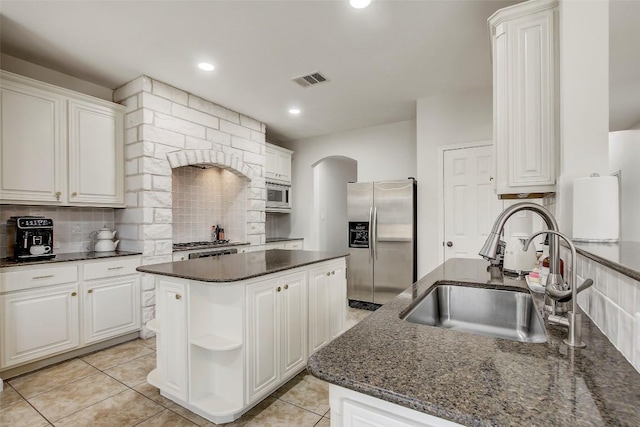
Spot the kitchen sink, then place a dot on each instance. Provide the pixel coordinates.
(508, 314)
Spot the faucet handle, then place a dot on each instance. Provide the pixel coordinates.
(585, 285)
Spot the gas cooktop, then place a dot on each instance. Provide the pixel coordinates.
(198, 245)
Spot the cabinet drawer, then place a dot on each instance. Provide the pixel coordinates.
(119, 267)
(36, 277)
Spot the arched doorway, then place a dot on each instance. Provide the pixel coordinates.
(330, 178)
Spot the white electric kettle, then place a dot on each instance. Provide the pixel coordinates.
(516, 259)
(104, 240)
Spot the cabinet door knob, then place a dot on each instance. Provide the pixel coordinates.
(449, 243)
(74, 194)
(90, 291)
(490, 178)
(333, 272)
(178, 296)
(328, 273)
(278, 289)
(73, 294)
(286, 286)
(58, 194)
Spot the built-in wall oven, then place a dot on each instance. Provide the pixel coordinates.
(278, 197)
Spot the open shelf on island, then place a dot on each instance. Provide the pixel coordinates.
(217, 406)
(153, 325)
(216, 342)
(155, 378)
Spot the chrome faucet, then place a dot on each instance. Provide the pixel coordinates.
(491, 247)
(573, 319)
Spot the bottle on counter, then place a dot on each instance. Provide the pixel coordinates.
(214, 233)
(220, 233)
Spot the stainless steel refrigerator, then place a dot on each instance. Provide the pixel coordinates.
(382, 239)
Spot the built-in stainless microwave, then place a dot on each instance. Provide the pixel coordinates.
(278, 196)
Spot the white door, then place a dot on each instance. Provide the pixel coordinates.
(38, 323)
(338, 300)
(111, 307)
(293, 313)
(263, 337)
(319, 301)
(31, 152)
(172, 338)
(96, 162)
(470, 204)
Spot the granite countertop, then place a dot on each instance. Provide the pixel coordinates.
(241, 266)
(623, 257)
(480, 381)
(281, 239)
(72, 256)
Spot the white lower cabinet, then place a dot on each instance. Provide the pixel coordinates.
(353, 409)
(172, 300)
(40, 307)
(38, 323)
(327, 304)
(277, 332)
(111, 307)
(222, 347)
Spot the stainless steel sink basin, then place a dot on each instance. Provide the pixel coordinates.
(490, 312)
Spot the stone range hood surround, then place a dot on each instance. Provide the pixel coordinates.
(208, 187)
(166, 127)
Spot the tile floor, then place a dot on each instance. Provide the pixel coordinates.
(108, 388)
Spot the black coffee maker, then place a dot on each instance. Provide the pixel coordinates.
(30, 238)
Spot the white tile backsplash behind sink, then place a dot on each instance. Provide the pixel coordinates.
(613, 304)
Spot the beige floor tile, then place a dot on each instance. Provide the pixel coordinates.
(327, 414)
(324, 422)
(9, 397)
(133, 372)
(117, 355)
(307, 392)
(153, 393)
(184, 412)
(47, 379)
(149, 342)
(21, 415)
(276, 413)
(355, 316)
(70, 398)
(167, 418)
(124, 409)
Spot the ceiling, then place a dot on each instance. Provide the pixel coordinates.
(378, 60)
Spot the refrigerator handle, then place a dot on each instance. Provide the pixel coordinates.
(370, 234)
(375, 233)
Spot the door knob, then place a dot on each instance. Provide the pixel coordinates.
(449, 243)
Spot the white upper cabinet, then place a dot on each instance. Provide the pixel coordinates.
(524, 43)
(59, 147)
(277, 163)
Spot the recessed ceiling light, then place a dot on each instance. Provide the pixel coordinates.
(294, 111)
(206, 66)
(359, 4)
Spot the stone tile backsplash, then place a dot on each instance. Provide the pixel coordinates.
(612, 303)
(71, 226)
(206, 197)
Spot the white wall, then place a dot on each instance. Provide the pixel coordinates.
(37, 72)
(584, 98)
(383, 152)
(444, 120)
(331, 176)
(624, 153)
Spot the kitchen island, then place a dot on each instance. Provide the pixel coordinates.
(386, 369)
(232, 329)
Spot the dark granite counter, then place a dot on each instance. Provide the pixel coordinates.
(623, 257)
(241, 266)
(73, 256)
(281, 239)
(479, 381)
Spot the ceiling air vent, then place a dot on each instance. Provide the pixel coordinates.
(310, 79)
